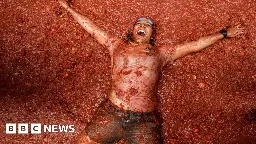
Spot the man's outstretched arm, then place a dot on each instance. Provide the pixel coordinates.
(203, 42)
(101, 36)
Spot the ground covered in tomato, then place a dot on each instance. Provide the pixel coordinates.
(53, 72)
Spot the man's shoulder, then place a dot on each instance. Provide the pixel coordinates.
(115, 41)
(165, 48)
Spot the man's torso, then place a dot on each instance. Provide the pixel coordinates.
(135, 71)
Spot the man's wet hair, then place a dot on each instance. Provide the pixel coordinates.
(129, 36)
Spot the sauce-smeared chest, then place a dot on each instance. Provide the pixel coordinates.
(135, 70)
(134, 76)
(138, 65)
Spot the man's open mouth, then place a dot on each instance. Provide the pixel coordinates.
(141, 32)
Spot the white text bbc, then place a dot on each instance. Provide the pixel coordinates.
(36, 128)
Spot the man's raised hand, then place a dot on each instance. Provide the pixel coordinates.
(235, 31)
(64, 3)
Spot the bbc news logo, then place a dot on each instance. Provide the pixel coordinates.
(36, 128)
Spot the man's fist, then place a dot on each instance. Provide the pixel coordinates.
(64, 3)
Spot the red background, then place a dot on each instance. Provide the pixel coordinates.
(53, 72)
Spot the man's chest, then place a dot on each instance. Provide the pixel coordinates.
(130, 56)
(135, 62)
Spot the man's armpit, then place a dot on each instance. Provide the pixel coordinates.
(166, 54)
(113, 43)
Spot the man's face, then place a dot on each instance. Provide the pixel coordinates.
(142, 31)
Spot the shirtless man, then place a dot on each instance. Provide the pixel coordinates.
(129, 112)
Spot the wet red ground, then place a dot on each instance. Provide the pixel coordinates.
(53, 72)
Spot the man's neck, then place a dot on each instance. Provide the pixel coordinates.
(138, 43)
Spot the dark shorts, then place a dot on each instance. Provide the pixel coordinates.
(111, 124)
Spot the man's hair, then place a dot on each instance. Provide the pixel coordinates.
(129, 36)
